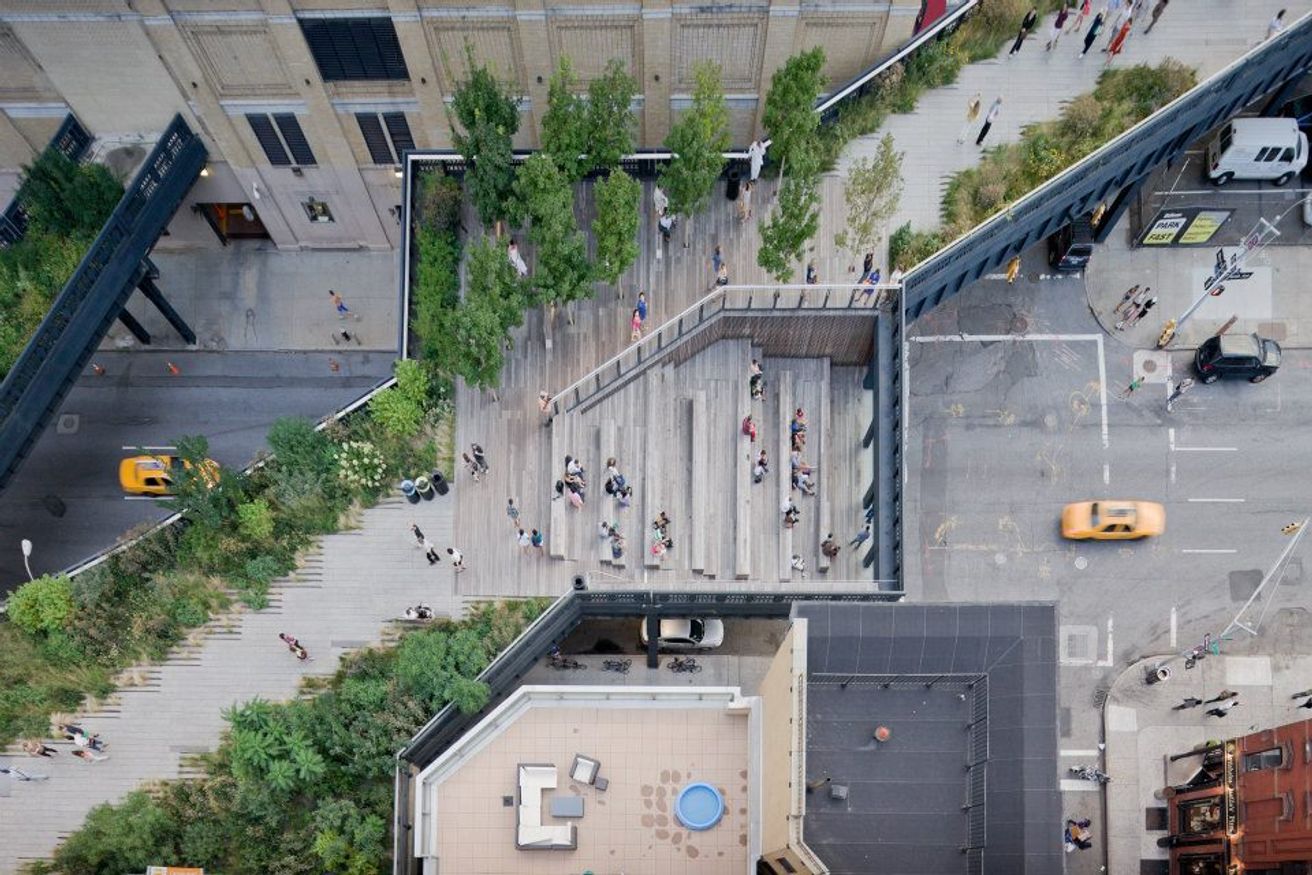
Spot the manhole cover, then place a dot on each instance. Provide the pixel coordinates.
(67, 424)
(1019, 325)
(1081, 563)
(1149, 366)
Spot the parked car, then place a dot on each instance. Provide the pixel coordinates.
(1271, 149)
(154, 475)
(1237, 355)
(691, 633)
(1112, 520)
(1070, 247)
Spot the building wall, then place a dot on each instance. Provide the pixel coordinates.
(776, 694)
(1275, 804)
(125, 67)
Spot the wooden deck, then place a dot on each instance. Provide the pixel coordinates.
(674, 431)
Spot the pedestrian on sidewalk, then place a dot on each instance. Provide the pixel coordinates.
(430, 552)
(661, 524)
(480, 458)
(1158, 9)
(811, 276)
(749, 428)
(1127, 299)
(516, 260)
(457, 559)
(972, 112)
(512, 512)
(1222, 709)
(989, 119)
(523, 540)
(861, 537)
(761, 468)
(660, 202)
(340, 306)
(1180, 388)
(635, 327)
(1143, 311)
(1117, 44)
(1129, 390)
(1223, 696)
(1013, 269)
(35, 748)
(472, 466)
(1058, 24)
(535, 540)
(745, 201)
(1085, 8)
(1277, 25)
(717, 259)
(1190, 702)
(418, 533)
(21, 775)
(1026, 25)
(641, 306)
(798, 564)
(829, 547)
(867, 266)
(1132, 309)
(1092, 36)
(756, 157)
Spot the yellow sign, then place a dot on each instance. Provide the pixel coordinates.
(1204, 225)
(1163, 231)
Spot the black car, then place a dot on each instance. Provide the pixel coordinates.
(1070, 247)
(1237, 355)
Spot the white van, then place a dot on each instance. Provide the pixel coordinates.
(1271, 149)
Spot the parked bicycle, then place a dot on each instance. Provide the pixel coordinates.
(561, 662)
(683, 665)
(617, 665)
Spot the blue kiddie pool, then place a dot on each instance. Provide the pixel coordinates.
(699, 806)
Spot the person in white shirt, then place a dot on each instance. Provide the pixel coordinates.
(1277, 25)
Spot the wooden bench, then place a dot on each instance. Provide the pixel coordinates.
(743, 459)
(657, 432)
(703, 524)
(559, 506)
(784, 472)
(823, 476)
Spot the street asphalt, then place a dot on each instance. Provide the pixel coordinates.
(230, 399)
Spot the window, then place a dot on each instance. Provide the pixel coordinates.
(1200, 815)
(317, 211)
(280, 136)
(355, 48)
(387, 135)
(1271, 758)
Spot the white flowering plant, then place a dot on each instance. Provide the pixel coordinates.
(360, 466)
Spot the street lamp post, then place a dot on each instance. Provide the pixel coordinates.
(27, 552)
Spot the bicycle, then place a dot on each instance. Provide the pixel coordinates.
(565, 663)
(620, 666)
(683, 665)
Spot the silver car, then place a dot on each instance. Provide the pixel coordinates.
(692, 633)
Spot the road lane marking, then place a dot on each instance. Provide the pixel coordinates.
(1187, 550)
(1206, 449)
(1106, 474)
(1102, 383)
(1080, 753)
(1173, 623)
(1108, 661)
(1079, 785)
(149, 448)
(1217, 500)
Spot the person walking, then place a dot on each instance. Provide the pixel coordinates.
(524, 540)
(635, 327)
(989, 119)
(1026, 25)
(1222, 709)
(972, 113)
(1180, 388)
(811, 276)
(1129, 390)
(1143, 311)
(430, 552)
(340, 306)
(641, 306)
(512, 512)
(1158, 9)
(1117, 44)
(1223, 696)
(1058, 24)
(480, 458)
(1094, 27)
(756, 157)
(861, 537)
(474, 470)
(1126, 298)
(516, 260)
(1190, 702)
(35, 748)
(535, 540)
(1136, 304)
(745, 201)
(660, 202)
(457, 559)
(1013, 269)
(418, 533)
(1276, 25)
(1085, 8)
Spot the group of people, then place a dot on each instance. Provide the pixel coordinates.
(573, 484)
(477, 463)
(639, 318)
(430, 551)
(1078, 835)
(617, 485)
(661, 542)
(1135, 304)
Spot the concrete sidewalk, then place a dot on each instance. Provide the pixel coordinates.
(250, 296)
(1035, 85)
(1271, 301)
(336, 602)
(1142, 731)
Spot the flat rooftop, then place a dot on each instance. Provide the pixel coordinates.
(648, 749)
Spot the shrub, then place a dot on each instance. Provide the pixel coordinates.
(907, 247)
(400, 410)
(360, 466)
(255, 520)
(299, 448)
(439, 203)
(42, 605)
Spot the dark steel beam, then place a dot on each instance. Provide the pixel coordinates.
(156, 297)
(131, 324)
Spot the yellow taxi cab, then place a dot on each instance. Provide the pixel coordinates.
(1112, 520)
(153, 475)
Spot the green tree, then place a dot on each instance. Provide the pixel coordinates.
(494, 304)
(43, 605)
(127, 837)
(347, 839)
(298, 447)
(565, 124)
(698, 140)
(203, 492)
(66, 198)
(795, 220)
(790, 116)
(872, 192)
(545, 199)
(611, 123)
(400, 410)
(488, 117)
(616, 225)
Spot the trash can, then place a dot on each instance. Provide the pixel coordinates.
(580, 583)
(439, 483)
(424, 487)
(735, 180)
(408, 490)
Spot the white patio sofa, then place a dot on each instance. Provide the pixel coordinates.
(531, 833)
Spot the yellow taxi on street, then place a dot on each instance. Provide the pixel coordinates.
(1112, 520)
(153, 475)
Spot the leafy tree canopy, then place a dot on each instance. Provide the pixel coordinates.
(698, 140)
